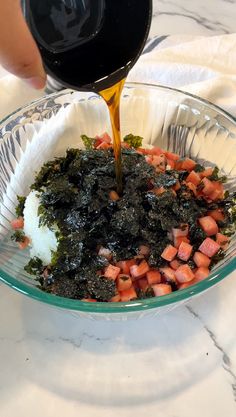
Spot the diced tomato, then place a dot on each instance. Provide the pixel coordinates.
(206, 173)
(194, 178)
(126, 145)
(111, 272)
(169, 253)
(106, 253)
(208, 186)
(171, 155)
(188, 164)
(185, 250)
(192, 187)
(155, 151)
(161, 289)
(209, 247)
(222, 240)
(184, 273)
(123, 282)
(153, 277)
(201, 260)
(159, 161)
(180, 231)
(142, 284)
(159, 191)
(139, 271)
(89, 300)
(179, 240)
(217, 214)
(168, 274)
(17, 223)
(142, 151)
(175, 264)
(23, 245)
(104, 145)
(115, 299)
(104, 137)
(177, 186)
(144, 250)
(187, 284)
(218, 192)
(149, 159)
(126, 265)
(209, 225)
(128, 295)
(114, 196)
(202, 273)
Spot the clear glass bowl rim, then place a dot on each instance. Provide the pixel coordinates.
(122, 307)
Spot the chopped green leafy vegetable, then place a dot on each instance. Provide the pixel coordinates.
(88, 142)
(133, 141)
(20, 207)
(18, 236)
(34, 266)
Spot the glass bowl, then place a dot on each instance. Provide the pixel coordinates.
(165, 117)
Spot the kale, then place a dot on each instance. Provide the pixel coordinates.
(88, 142)
(34, 266)
(133, 141)
(217, 258)
(165, 180)
(199, 168)
(20, 207)
(18, 236)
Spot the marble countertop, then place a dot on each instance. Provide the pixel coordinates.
(182, 364)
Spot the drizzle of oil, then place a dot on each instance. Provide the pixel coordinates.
(112, 96)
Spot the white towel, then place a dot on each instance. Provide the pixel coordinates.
(204, 66)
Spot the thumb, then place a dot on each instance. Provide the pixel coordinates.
(18, 51)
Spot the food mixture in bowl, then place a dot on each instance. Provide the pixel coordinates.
(167, 229)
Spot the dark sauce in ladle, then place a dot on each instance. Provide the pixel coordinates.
(91, 45)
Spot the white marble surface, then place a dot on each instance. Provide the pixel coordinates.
(182, 364)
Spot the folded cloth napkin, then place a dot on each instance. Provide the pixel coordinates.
(204, 66)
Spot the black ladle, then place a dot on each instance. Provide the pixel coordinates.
(89, 44)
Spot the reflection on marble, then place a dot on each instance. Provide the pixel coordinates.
(211, 17)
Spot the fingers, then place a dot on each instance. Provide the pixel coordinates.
(18, 51)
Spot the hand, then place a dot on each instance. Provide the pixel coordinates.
(18, 51)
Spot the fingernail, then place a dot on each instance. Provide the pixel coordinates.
(36, 82)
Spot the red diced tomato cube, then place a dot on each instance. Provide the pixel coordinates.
(153, 277)
(206, 173)
(222, 240)
(208, 186)
(172, 156)
(175, 264)
(188, 164)
(168, 273)
(185, 250)
(201, 260)
(209, 225)
(125, 265)
(115, 299)
(169, 253)
(170, 164)
(111, 272)
(114, 196)
(177, 186)
(142, 284)
(89, 300)
(123, 282)
(209, 247)
(23, 245)
(187, 284)
(128, 295)
(192, 187)
(217, 214)
(161, 289)
(184, 274)
(218, 192)
(194, 178)
(179, 240)
(143, 250)
(17, 223)
(139, 271)
(180, 231)
(155, 151)
(201, 273)
(104, 145)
